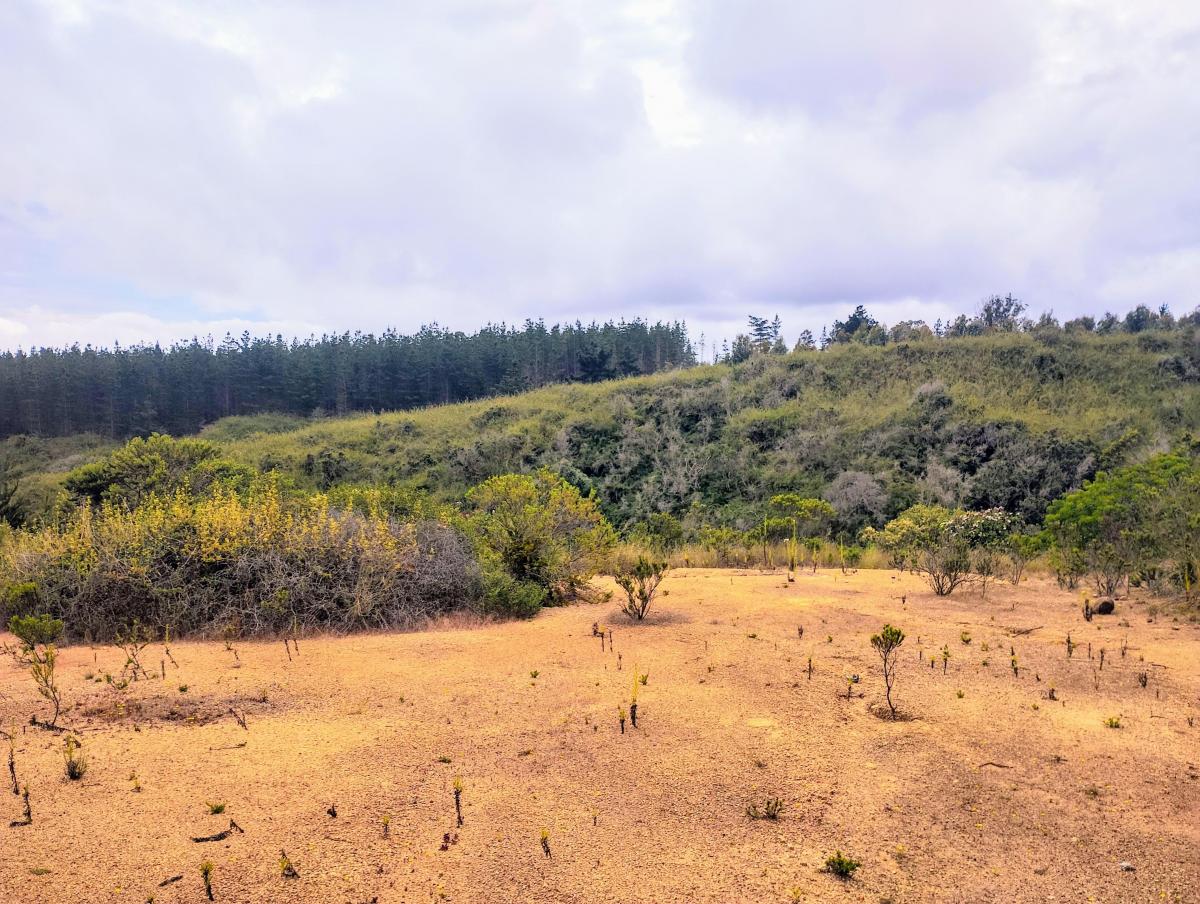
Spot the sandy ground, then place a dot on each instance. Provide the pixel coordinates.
(1000, 794)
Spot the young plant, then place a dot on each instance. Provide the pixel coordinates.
(621, 716)
(546, 843)
(206, 872)
(215, 809)
(1113, 722)
(133, 640)
(12, 761)
(76, 762)
(945, 658)
(841, 866)
(887, 644)
(37, 634)
(387, 825)
(27, 819)
(640, 583)
(286, 869)
(458, 790)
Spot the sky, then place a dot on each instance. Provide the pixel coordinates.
(170, 168)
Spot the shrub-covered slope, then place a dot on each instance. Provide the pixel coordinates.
(1010, 421)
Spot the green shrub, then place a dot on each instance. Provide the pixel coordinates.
(21, 598)
(505, 595)
(34, 630)
(540, 530)
(841, 866)
(640, 583)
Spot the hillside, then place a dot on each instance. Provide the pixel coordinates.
(1010, 420)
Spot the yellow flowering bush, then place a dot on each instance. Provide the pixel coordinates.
(245, 559)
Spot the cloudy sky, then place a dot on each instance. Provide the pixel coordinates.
(170, 167)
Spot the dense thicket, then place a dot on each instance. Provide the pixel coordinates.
(166, 532)
(123, 392)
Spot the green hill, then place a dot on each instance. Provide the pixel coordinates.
(1007, 420)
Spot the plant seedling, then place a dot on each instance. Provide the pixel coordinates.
(12, 761)
(1113, 722)
(965, 637)
(810, 668)
(841, 866)
(887, 643)
(132, 641)
(76, 762)
(387, 825)
(621, 715)
(1143, 679)
(1015, 670)
(27, 818)
(945, 658)
(215, 809)
(458, 790)
(37, 634)
(771, 809)
(286, 869)
(206, 871)
(546, 843)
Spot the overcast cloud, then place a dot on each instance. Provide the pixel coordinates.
(178, 168)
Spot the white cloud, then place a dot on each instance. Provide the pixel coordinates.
(177, 168)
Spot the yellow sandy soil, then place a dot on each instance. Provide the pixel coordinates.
(728, 717)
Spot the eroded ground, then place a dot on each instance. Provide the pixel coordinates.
(1000, 794)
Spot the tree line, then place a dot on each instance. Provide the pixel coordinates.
(122, 392)
(997, 314)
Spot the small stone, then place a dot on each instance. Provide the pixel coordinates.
(1126, 866)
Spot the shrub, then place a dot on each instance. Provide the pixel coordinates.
(21, 598)
(948, 547)
(887, 643)
(540, 530)
(254, 559)
(35, 630)
(153, 466)
(841, 866)
(505, 595)
(640, 583)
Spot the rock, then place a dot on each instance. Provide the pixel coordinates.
(1104, 607)
(1125, 865)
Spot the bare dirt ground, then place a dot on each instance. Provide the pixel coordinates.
(998, 794)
